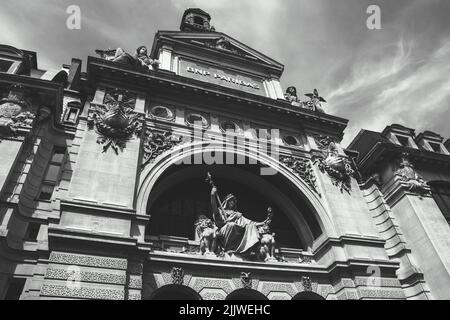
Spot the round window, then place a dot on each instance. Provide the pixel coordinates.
(229, 126)
(162, 112)
(291, 140)
(196, 119)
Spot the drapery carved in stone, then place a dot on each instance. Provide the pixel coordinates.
(115, 121)
(303, 168)
(337, 167)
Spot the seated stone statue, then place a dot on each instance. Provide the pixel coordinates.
(291, 96)
(238, 234)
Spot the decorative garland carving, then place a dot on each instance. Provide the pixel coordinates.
(246, 280)
(337, 167)
(303, 168)
(156, 143)
(115, 121)
(177, 275)
(408, 176)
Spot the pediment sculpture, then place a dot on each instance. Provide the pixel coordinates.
(230, 233)
(115, 121)
(223, 44)
(139, 59)
(337, 166)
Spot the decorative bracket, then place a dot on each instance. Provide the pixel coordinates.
(177, 275)
(246, 280)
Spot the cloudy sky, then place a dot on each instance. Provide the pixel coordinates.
(399, 74)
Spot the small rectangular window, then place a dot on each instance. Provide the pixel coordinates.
(15, 288)
(32, 231)
(5, 65)
(404, 141)
(435, 146)
(46, 192)
(71, 115)
(52, 174)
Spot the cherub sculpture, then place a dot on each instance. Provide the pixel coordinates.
(315, 101)
(206, 233)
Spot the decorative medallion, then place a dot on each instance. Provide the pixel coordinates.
(337, 167)
(246, 280)
(115, 121)
(156, 143)
(407, 175)
(307, 284)
(303, 168)
(177, 275)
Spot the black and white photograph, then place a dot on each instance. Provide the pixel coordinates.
(212, 152)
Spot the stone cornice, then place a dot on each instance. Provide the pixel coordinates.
(100, 70)
(387, 149)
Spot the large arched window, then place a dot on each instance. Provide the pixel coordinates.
(182, 195)
(441, 194)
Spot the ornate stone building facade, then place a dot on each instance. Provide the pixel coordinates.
(111, 183)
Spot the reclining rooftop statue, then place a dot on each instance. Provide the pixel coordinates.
(140, 58)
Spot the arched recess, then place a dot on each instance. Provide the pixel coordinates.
(151, 176)
(175, 292)
(307, 295)
(246, 294)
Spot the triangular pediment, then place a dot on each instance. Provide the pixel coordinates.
(220, 42)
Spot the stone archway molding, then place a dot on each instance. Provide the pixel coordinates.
(153, 172)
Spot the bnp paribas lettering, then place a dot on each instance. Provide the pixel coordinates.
(223, 78)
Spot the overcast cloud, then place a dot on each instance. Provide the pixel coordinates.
(399, 74)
